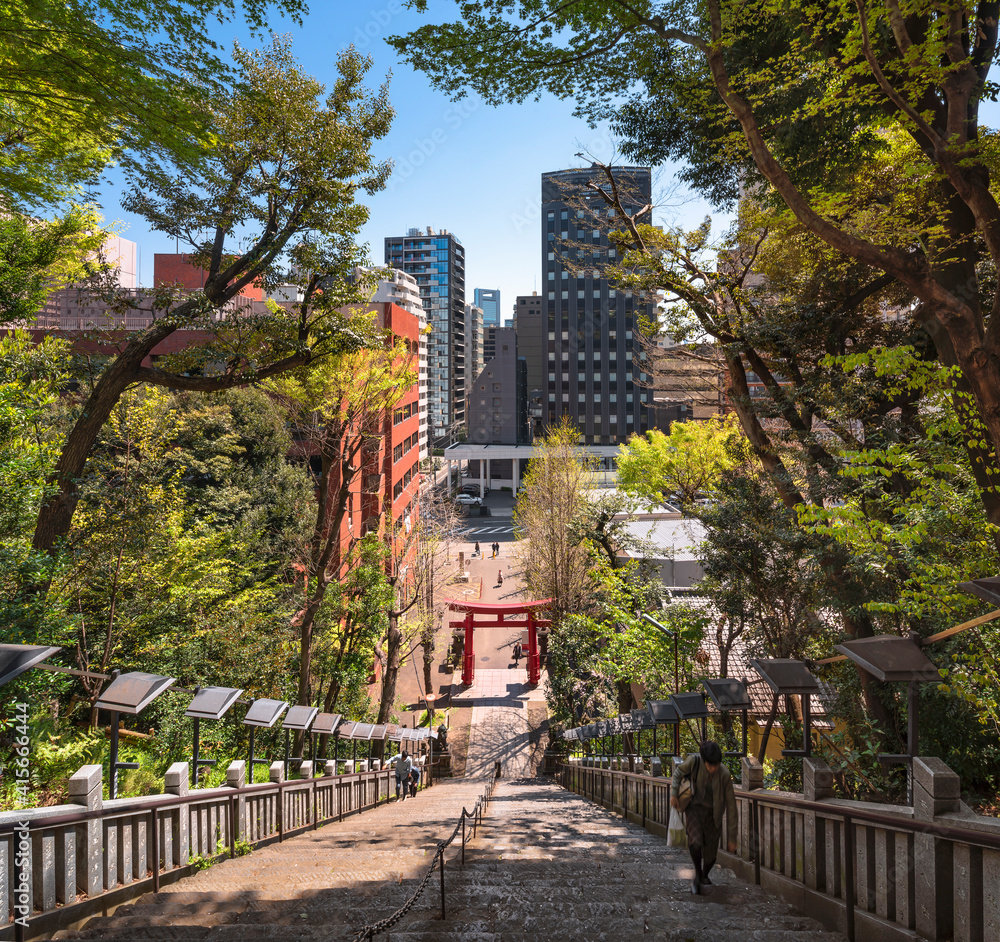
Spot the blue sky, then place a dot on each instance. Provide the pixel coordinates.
(460, 166)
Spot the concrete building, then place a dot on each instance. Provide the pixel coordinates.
(687, 383)
(437, 261)
(488, 301)
(596, 369)
(498, 408)
(82, 312)
(529, 322)
(490, 343)
(475, 338)
(401, 289)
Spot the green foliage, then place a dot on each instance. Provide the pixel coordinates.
(687, 462)
(31, 376)
(88, 81)
(595, 654)
(37, 256)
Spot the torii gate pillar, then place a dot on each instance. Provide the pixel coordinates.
(469, 656)
(534, 668)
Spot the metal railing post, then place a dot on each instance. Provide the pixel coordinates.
(463, 838)
(441, 865)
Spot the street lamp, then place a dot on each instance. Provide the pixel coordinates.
(670, 633)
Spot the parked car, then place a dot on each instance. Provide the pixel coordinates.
(473, 489)
(469, 500)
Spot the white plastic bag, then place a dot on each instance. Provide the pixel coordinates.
(676, 832)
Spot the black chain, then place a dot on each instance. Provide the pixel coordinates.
(377, 928)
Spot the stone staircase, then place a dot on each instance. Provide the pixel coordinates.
(323, 884)
(547, 866)
(551, 866)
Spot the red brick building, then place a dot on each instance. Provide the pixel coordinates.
(171, 269)
(383, 497)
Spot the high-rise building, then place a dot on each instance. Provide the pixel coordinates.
(437, 261)
(529, 323)
(473, 341)
(596, 368)
(488, 299)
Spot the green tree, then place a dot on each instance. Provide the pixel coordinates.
(283, 177)
(31, 377)
(686, 462)
(37, 256)
(89, 81)
(549, 504)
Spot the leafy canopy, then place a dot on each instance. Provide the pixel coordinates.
(90, 81)
(687, 462)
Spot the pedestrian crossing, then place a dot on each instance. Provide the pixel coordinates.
(483, 531)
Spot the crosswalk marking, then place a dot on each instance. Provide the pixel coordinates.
(486, 530)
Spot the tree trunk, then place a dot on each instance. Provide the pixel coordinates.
(393, 651)
(55, 516)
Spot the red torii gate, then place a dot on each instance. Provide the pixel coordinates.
(498, 611)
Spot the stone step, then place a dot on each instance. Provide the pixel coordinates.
(634, 930)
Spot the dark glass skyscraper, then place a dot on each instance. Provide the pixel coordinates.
(595, 363)
(437, 261)
(488, 300)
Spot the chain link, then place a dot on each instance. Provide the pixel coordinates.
(377, 928)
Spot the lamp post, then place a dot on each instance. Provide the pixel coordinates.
(677, 671)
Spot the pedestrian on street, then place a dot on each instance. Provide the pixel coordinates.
(500, 577)
(517, 651)
(403, 766)
(712, 794)
(414, 780)
(477, 548)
